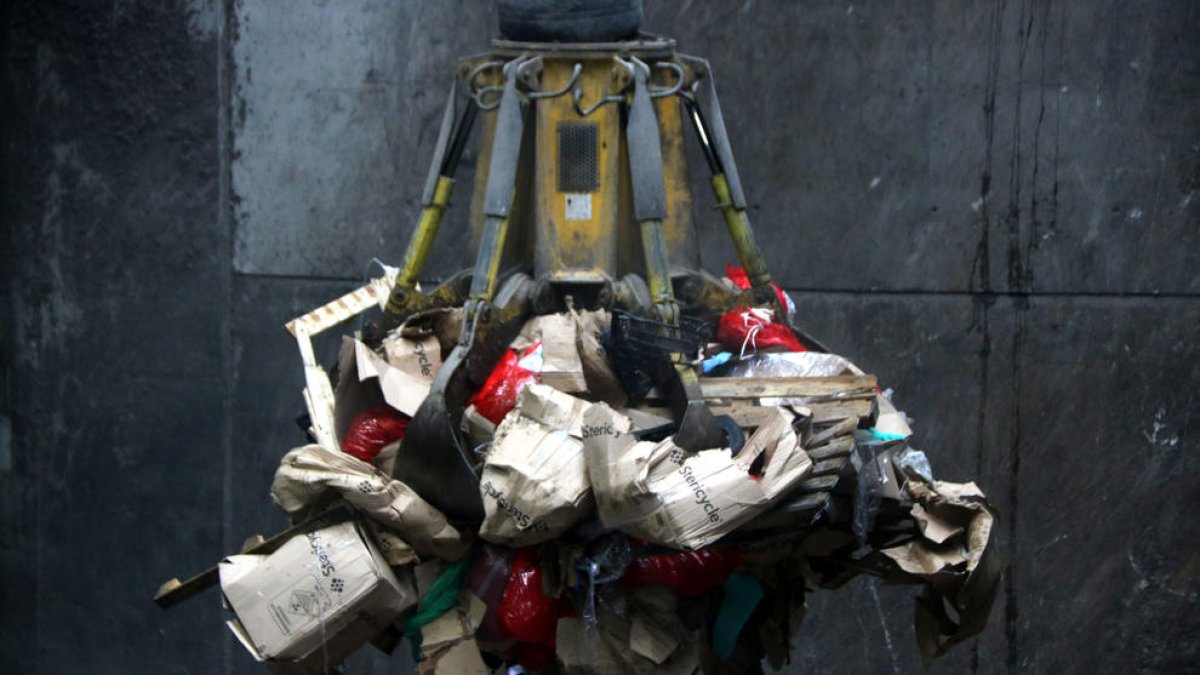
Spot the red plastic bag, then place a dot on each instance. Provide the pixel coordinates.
(498, 394)
(750, 329)
(688, 573)
(372, 429)
(739, 278)
(525, 612)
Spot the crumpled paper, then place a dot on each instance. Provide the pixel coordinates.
(306, 474)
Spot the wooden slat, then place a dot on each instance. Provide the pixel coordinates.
(174, 591)
(835, 411)
(834, 448)
(842, 428)
(757, 387)
(829, 467)
(748, 414)
(349, 305)
(816, 484)
(807, 502)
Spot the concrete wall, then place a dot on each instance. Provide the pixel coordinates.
(991, 205)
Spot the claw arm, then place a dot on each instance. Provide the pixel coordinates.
(649, 192)
(498, 197)
(725, 182)
(698, 429)
(435, 199)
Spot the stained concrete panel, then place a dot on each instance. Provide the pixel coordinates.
(267, 392)
(830, 120)
(336, 110)
(889, 147)
(1107, 476)
(1091, 161)
(116, 287)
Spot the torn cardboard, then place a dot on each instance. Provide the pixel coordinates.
(314, 600)
(308, 473)
(478, 429)
(463, 658)
(454, 626)
(961, 571)
(661, 493)
(562, 369)
(602, 383)
(933, 528)
(406, 373)
(616, 644)
(534, 481)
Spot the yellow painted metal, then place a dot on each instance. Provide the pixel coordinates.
(739, 231)
(419, 245)
(427, 229)
(658, 276)
(584, 247)
(495, 234)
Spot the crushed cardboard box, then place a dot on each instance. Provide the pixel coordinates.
(315, 599)
(534, 481)
(602, 383)
(662, 493)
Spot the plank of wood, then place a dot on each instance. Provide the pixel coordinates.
(807, 502)
(829, 467)
(757, 387)
(174, 591)
(834, 448)
(797, 514)
(748, 414)
(816, 484)
(846, 426)
(825, 412)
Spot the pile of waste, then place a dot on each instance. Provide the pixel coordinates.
(593, 537)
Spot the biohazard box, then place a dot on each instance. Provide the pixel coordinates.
(328, 586)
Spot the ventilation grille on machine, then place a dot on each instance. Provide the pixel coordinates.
(578, 157)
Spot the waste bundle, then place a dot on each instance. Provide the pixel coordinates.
(606, 542)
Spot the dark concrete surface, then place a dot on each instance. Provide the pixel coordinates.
(991, 205)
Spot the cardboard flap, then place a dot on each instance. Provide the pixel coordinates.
(406, 374)
(562, 368)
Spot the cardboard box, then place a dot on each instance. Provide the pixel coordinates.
(534, 481)
(317, 598)
(661, 493)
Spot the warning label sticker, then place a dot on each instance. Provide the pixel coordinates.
(579, 206)
(299, 606)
